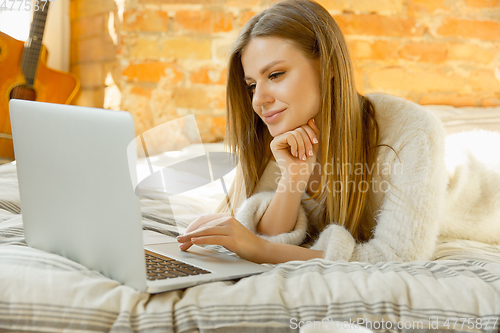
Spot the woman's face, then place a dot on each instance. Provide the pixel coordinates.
(285, 83)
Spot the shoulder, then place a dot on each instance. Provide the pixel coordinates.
(399, 118)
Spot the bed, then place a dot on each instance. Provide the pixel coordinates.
(459, 290)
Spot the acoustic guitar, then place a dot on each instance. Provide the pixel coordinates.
(24, 75)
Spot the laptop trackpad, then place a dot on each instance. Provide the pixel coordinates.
(150, 237)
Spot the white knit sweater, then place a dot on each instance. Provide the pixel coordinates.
(408, 214)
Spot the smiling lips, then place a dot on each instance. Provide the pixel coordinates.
(272, 116)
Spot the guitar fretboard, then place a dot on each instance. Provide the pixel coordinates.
(33, 45)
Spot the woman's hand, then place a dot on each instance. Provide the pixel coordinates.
(223, 229)
(207, 220)
(295, 151)
(203, 222)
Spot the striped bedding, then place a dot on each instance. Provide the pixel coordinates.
(41, 292)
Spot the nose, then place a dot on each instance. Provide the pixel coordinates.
(262, 95)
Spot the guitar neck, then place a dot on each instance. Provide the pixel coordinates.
(33, 45)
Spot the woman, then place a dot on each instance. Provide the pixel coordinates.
(360, 178)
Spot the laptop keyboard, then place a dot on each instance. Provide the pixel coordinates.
(159, 267)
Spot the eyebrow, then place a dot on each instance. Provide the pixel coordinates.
(266, 68)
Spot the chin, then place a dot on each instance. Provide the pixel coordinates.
(276, 131)
(281, 128)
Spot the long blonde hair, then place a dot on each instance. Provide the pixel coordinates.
(349, 131)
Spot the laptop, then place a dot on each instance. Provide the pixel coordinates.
(78, 201)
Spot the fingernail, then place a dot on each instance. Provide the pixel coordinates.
(315, 140)
(314, 121)
(304, 157)
(310, 153)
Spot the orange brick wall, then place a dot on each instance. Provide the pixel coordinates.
(93, 55)
(163, 59)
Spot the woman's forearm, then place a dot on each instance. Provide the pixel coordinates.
(281, 215)
(276, 253)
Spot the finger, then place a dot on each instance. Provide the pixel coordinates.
(204, 219)
(185, 246)
(311, 132)
(210, 231)
(311, 136)
(292, 142)
(301, 151)
(308, 146)
(210, 240)
(214, 240)
(186, 237)
(218, 221)
(196, 223)
(315, 128)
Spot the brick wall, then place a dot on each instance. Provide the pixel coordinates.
(163, 59)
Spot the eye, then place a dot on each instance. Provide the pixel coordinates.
(251, 88)
(275, 75)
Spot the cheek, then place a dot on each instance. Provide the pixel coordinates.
(255, 106)
(311, 99)
(315, 103)
(307, 103)
(256, 109)
(302, 93)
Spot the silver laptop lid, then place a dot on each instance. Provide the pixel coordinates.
(77, 199)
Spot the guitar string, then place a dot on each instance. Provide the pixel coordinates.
(21, 93)
(30, 66)
(34, 47)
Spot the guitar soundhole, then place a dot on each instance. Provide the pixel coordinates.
(23, 92)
